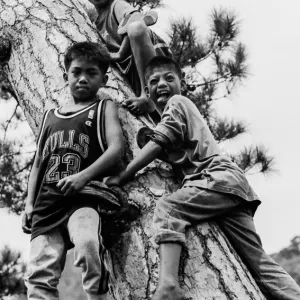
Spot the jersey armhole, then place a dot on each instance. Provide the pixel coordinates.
(40, 135)
(101, 133)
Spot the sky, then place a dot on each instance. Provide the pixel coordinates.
(267, 101)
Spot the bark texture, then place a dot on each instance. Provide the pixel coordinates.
(39, 32)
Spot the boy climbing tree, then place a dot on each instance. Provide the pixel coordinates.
(131, 44)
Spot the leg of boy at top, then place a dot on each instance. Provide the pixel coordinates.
(142, 51)
(125, 32)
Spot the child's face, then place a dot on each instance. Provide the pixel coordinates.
(100, 3)
(162, 84)
(85, 78)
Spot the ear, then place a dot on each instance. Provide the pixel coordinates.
(104, 80)
(183, 86)
(65, 76)
(147, 91)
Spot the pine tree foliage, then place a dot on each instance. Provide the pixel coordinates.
(254, 159)
(14, 165)
(12, 271)
(226, 59)
(6, 91)
(289, 258)
(225, 129)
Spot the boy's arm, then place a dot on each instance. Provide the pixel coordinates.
(123, 52)
(144, 157)
(32, 185)
(107, 160)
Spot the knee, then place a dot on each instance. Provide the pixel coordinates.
(87, 243)
(137, 30)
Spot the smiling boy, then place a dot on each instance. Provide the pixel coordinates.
(79, 142)
(213, 188)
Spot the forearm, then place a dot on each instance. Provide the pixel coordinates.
(32, 185)
(103, 164)
(144, 157)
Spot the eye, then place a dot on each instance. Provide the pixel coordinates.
(93, 72)
(170, 78)
(153, 81)
(75, 72)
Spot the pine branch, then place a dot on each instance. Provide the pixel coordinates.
(9, 121)
(255, 158)
(227, 129)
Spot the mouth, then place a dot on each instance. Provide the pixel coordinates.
(162, 95)
(82, 88)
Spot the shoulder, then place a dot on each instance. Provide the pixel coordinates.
(179, 99)
(108, 107)
(180, 102)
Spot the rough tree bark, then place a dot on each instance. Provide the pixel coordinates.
(39, 32)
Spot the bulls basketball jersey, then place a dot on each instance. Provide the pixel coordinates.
(67, 144)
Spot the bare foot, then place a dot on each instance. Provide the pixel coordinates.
(140, 105)
(168, 292)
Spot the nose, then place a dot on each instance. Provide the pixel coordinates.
(161, 82)
(82, 79)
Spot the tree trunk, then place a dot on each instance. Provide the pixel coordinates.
(39, 32)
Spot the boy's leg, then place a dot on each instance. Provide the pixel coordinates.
(272, 279)
(142, 50)
(188, 205)
(168, 287)
(46, 263)
(84, 228)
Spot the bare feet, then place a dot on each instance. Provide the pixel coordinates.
(140, 105)
(167, 291)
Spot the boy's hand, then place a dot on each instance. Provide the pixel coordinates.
(27, 219)
(71, 184)
(113, 181)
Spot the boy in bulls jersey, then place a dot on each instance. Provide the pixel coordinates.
(79, 142)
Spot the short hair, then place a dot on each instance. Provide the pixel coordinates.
(88, 51)
(158, 61)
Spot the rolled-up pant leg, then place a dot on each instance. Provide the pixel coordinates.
(273, 280)
(84, 227)
(187, 206)
(46, 263)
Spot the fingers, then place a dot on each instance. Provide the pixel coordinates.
(65, 186)
(132, 105)
(26, 223)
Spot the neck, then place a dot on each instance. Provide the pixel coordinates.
(83, 102)
(100, 8)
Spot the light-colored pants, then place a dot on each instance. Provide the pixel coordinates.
(48, 254)
(192, 205)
